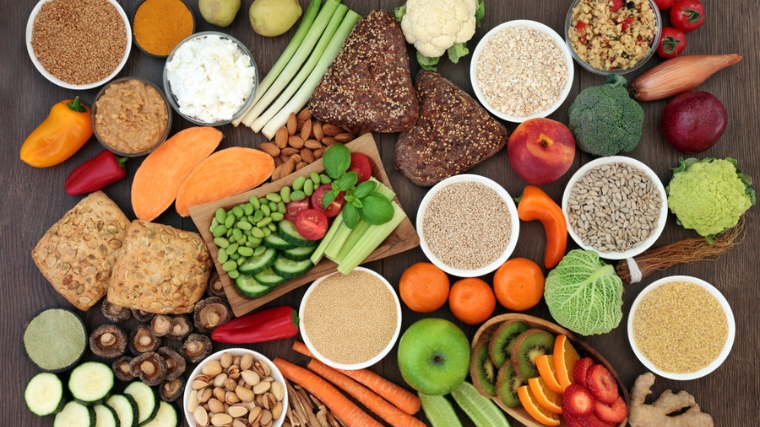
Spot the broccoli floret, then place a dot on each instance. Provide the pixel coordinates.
(605, 120)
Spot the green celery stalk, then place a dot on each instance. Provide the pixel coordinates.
(358, 232)
(320, 251)
(333, 249)
(373, 237)
(299, 100)
(282, 61)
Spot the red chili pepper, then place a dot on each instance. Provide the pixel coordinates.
(95, 174)
(271, 324)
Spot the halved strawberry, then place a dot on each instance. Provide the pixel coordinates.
(602, 384)
(614, 413)
(577, 401)
(591, 420)
(579, 372)
(571, 420)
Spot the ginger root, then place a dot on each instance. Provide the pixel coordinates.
(657, 414)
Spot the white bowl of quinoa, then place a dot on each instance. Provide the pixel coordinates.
(78, 44)
(521, 70)
(468, 225)
(604, 41)
(681, 327)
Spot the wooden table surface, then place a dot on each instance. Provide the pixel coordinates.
(33, 199)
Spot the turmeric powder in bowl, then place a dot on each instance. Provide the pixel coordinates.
(159, 25)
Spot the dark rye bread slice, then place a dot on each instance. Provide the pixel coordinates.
(368, 85)
(452, 134)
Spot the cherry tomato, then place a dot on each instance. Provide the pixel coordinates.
(311, 224)
(361, 165)
(672, 42)
(687, 15)
(664, 4)
(617, 5)
(294, 207)
(333, 209)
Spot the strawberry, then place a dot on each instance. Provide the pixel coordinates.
(602, 384)
(577, 401)
(579, 372)
(571, 420)
(591, 420)
(614, 413)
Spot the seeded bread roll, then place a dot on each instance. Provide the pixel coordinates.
(368, 86)
(161, 269)
(453, 133)
(78, 252)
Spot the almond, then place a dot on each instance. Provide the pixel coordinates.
(301, 165)
(292, 124)
(277, 174)
(284, 158)
(295, 141)
(318, 153)
(317, 131)
(312, 144)
(289, 151)
(288, 168)
(306, 130)
(304, 114)
(331, 130)
(328, 141)
(296, 158)
(269, 148)
(277, 161)
(344, 137)
(307, 155)
(281, 137)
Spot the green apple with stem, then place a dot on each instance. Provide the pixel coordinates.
(434, 356)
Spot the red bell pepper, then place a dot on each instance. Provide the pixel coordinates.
(95, 174)
(271, 324)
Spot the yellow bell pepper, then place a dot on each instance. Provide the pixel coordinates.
(65, 130)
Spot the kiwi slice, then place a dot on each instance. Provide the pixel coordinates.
(500, 346)
(507, 383)
(527, 347)
(482, 370)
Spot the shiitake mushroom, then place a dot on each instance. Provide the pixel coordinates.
(210, 313)
(175, 364)
(181, 328)
(170, 390)
(161, 325)
(215, 287)
(150, 367)
(142, 340)
(115, 313)
(108, 341)
(121, 369)
(142, 316)
(196, 348)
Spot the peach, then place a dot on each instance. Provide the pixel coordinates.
(541, 150)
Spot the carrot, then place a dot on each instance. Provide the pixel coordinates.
(391, 414)
(679, 75)
(399, 396)
(343, 409)
(224, 173)
(160, 175)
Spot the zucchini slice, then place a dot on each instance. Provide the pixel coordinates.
(167, 416)
(74, 414)
(269, 278)
(146, 399)
(90, 382)
(287, 230)
(290, 269)
(274, 241)
(299, 253)
(44, 394)
(125, 407)
(259, 263)
(105, 416)
(249, 287)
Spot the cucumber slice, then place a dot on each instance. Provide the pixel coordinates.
(74, 414)
(259, 263)
(274, 241)
(91, 382)
(299, 253)
(249, 287)
(146, 399)
(44, 394)
(287, 230)
(482, 411)
(126, 409)
(439, 411)
(167, 416)
(105, 416)
(269, 278)
(290, 269)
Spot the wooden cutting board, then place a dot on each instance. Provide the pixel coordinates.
(404, 237)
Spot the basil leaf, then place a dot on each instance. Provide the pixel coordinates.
(337, 160)
(349, 198)
(350, 216)
(365, 189)
(357, 203)
(377, 209)
(348, 180)
(328, 198)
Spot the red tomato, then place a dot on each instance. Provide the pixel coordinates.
(664, 4)
(617, 5)
(672, 42)
(627, 22)
(333, 209)
(294, 207)
(361, 165)
(311, 224)
(687, 15)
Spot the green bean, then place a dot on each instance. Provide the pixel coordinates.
(230, 221)
(272, 227)
(285, 194)
(274, 197)
(308, 188)
(234, 274)
(298, 183)
(232, 248)
(260, 250)
(238, 212)
(254, 202)
(245, 251)
(220, 215)
(219, 231)
(264, 222)
(272, 207)
(257, 216)
(221, 242)
(281, 208)
(277, 216)
(248, 209)
(229, 266)
(244, 225)
(223, 257)
(266, 210)
(237, 233)
(257, 233)
(297, 195)
(254, 240)
(315, 178)
(324, 179)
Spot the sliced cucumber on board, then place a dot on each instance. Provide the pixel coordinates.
(90, 382)
(147, 401)
(269, 278)
(44, 394)
(287, 230)
(167, 416)
(290, 269)
(74, 414)
(274, 241)
(299, 253)
(105, 416)
(126, 409)
(259, 263)
(249, 287)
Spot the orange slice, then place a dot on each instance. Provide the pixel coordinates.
(565, 357)
(545, 365)
(544, 396)
(535, 410)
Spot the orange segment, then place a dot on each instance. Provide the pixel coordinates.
(545, 365)
(546, 398)
(565, 357)
(535, 410)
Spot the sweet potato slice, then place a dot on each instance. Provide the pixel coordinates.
(224, 173)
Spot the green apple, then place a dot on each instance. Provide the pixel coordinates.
(219, 12)
(434, 356)
(271, 18)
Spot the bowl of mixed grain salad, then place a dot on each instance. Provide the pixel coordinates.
(468, 225)
(605, 37)
(681, 327)
(521, 70)
(616, 206)
(70, 60)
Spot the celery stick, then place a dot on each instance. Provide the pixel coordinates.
(373, 238)
(317, 255)
(299, 100)
(356, 234)
(306, 48)
(282, 61)
(337, 242)
(383, 189)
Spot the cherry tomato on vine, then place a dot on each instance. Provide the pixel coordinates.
(687, 15)
(672, 43)
(311, 224)
(294, 207)
(334, 208)
(361, 165)
(664, 4)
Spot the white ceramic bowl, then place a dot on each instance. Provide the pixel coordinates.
(729, 318)
(304, 321)
(59, 82)
(646, 244)
(536, 26)
(276, 374)
(515, 220)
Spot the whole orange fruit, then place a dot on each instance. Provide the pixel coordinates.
(472, 301)
(424, 287)
(518, 284)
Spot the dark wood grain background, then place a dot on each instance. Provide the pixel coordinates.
(31, 200)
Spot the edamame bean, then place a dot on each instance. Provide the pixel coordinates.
(257, 233)
(254, 201)
(263, 201)
(221, 242)
(232, 248)
(246, 232)
(248, 209)
(266, 210)
(274, 197)
(220, 215)
(230, 221)
(297, 195)
(244, 225)
(324, 179)
(236, 233)
(298, 183)
(241, 260)
(266, 231)
(238, 212)
(281, 208)
(285, 194)
(264, 222)
(315, 178)
(234, 274)
(223, 257)
(219, 231)
(241, 240)
(254, 240)
(257, 216)
(235, 256)
(245, 251)
(272, 227)
(277, 216)
(229, 266)
(228, 234)
(272, 207)
(308, 187)
(214, 223)
(260, 250)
